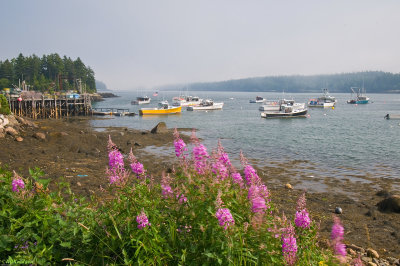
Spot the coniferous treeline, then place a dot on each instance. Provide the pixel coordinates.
(48, 73)
(373, 81)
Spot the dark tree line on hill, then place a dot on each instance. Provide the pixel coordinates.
(373, 81)
(48, 73)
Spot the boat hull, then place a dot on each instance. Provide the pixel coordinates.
(284, 115)
(358, 102)
(321, 105)
(156, 111)
(215, 106)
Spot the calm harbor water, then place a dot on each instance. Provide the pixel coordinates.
(350, 141)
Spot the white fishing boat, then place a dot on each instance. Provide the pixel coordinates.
(206, 105)
(186, 101)
(141, 100)
(287, 109)
(258, 99)
(324, 101)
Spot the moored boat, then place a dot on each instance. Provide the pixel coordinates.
(163, 108)
(206, 105)
(324, 101)
(287, 109)
(141, 100)
(258, 99)
(186, 101)
(392, 116)
(360, 97)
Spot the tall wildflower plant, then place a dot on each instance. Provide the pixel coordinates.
(289, 245)
(337, 239)
(200, 214)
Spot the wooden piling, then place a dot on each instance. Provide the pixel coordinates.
(53, 107)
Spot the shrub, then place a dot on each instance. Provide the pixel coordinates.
(4, 107)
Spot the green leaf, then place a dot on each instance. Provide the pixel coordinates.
(66, 244)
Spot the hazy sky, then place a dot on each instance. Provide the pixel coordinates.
(134, 44)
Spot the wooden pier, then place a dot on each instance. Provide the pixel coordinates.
(51, 107)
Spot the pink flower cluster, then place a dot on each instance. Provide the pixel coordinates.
(181, 198)
(251, 175)
(302, 219)
(116, 159)
(289, 245)
(142, 220)
(166, 190)
(200, 158)
(137, 168)
(180, 147)
(220, 170)
(17, 183)
(224, 217)
(259, 197)
(237, 178)
(337, 238)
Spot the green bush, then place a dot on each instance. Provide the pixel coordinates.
(4, 107)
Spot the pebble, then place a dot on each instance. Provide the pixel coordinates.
(372, 253)
(338, 210)
(19, 139)
(288, 186)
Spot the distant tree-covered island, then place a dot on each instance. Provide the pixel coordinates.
(372, 81)
(48, 73)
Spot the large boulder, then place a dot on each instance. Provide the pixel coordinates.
(390, 204)
(160, 128)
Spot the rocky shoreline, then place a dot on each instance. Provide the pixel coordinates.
(71, 150)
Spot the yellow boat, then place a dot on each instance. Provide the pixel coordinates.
(162, 109)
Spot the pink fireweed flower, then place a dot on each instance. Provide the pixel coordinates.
(225, 218)
(142, 220)
(220, 170)
(113, 179)
(337, 230)
(200, 157)
(180, 148)
(181, 198)
(340, 249)
(166, 190)
(301, 202)
(237, 178)
(258, 205)
(224, 158)
(337, 238)
(302, 219)
(200, 152)
(289, 245)
(137, 168)
(17, 183)
(251, 175)
(116, 159)
(253, 192)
